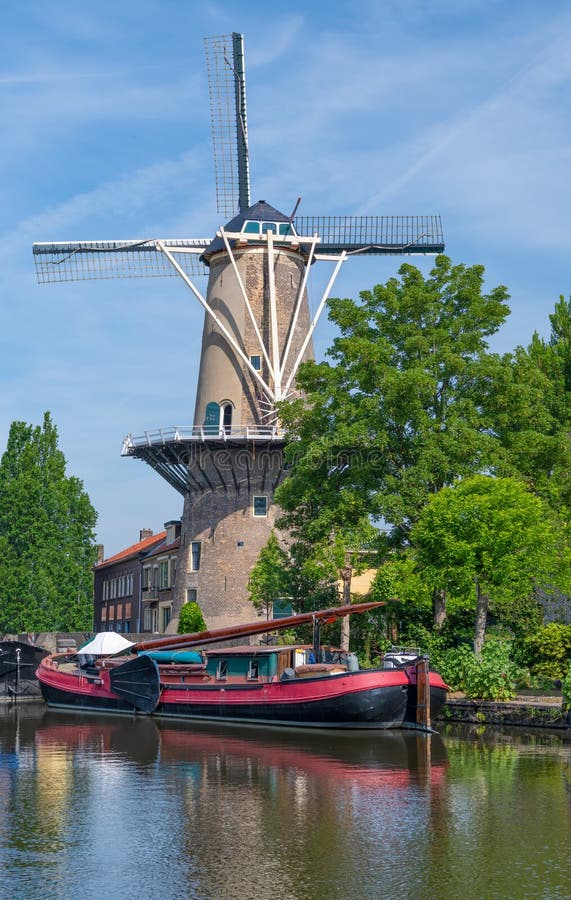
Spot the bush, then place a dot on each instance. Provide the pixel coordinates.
(566, 689)
(191, 619)
(491, 676)
(547, 651)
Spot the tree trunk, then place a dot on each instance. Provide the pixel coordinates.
(439, 607)
(346, 574)
(481, 618)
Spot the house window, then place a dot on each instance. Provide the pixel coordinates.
(165, 616)
(164, 574)
(260, 507)
(195, 553)
(222, 670)
(256, 362)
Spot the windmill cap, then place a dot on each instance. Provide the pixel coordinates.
(259, 212)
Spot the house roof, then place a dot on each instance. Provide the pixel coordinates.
(140, 547)
(165, 548)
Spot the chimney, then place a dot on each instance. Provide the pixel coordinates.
(145, 533)
(100, 553)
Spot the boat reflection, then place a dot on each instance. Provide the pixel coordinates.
(399, 758)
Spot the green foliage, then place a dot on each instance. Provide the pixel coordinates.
(490, 676)
(191, 619)
(269, 579)
(397, 579)
(547, 652)
(47, 545)
(488, 536)
(399, 414)
(566, 690)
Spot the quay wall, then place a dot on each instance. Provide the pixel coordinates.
(536, 712)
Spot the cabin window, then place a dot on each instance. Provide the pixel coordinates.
(195, 554)
(222, 670)
(253, 671)
(260, 507)
(256, 362)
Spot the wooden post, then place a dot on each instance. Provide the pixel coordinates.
(423, 694)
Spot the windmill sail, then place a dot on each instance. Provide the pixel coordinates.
(89, 260)
(379, 235)
(227, 89)
(374, 234)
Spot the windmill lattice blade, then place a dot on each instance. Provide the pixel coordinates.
(374, 234)
(227, 90)
(88, 260)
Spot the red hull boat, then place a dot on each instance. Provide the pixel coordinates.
(268, 684)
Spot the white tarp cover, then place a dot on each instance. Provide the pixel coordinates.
(106, 643)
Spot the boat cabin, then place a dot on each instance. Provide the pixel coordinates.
(275, 662)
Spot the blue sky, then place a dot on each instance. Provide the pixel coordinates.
(456, 107)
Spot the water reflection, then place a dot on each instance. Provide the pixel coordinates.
(143, 808)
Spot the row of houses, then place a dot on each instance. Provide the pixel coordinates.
(133, 590)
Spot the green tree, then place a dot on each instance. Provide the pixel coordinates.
(489, 538)
(47, 547)
(269, 578)
(398, 413)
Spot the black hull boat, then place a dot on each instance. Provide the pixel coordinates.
(18, 664)
(286, 685)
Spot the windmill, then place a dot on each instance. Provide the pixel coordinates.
(257, 332)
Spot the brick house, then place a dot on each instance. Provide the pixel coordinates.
(118, 585)
(157, 581)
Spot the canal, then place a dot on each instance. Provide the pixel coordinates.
(96, 807)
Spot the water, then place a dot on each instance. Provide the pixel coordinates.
(94, 807)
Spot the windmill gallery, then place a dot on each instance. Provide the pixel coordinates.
(257, 331)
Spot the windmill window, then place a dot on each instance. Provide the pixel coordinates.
(285, 228)
(269, 226)
(251, 228)
(260, 507)
(227, 417)
(256, 362)
(195, 552)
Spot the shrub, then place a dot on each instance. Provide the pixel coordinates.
(547, 651)
(566, 689)
(191, 619)
(491, 676)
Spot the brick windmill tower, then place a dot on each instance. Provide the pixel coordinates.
(257, 331)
